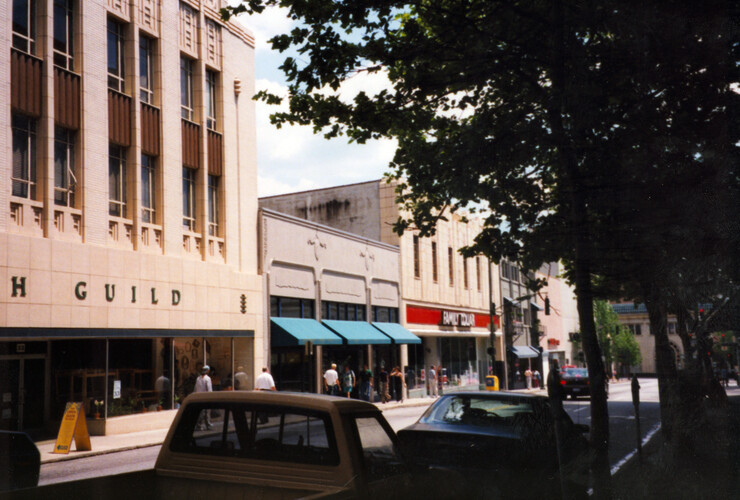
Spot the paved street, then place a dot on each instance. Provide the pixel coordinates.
(620, 410)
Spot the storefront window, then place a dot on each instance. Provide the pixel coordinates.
(288, 307)
(188, 364)
(243, 356)
(218, 358)
(77, 374)
(385, 314)
(415, 366)
(138, 375)
(460, 360)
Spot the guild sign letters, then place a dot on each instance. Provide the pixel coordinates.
(454, 318)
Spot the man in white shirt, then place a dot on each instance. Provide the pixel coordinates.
(203, 384)
(331, 380)
(432, 382)
(265, 382)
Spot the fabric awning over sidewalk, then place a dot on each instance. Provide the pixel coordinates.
(524, 351)
(290, 332)
(357, 332)
(397, 333)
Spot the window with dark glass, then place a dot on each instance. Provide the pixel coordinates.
(466, 280)
(115, 56)
(186, 88)
(24, 157)
(385, 314)
(342, 311)
(211, 95)
(65, 180)
(450, 264)
(289, 307)
(148, 189)
(213, 212)
(435, 275)
(146, 69)
(116, 181)
(64, 34)
(188, 198)
(417, 266)
(24, 25)
(477, 273)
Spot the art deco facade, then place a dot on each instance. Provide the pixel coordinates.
(128, 207)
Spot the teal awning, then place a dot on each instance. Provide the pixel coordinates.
(397, 333)
(290, 332)
(357, 332)
(524, 351)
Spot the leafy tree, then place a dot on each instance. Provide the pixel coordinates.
(625, 348)
(588, 132)
(607, 327)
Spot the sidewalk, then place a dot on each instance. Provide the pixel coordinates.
(102, 445)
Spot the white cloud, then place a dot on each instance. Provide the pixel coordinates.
(272, 21)
(293, 158)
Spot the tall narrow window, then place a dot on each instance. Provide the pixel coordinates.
(435, 274)
(24, 157)
(148, 189)
(65, 180)
(24, 25)
(450, 264)
(146, 69)
(466, 280)
(116, 181)
(115, 56)
(417, 265)
(188, 198)
(477, 272)
(211, 93)
(186, 88)
(213, 212)
(64, 34)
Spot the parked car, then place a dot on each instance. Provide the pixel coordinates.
(574, 382)
(502, 444)
(20, 461)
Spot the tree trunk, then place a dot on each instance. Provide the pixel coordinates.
(599, 437)
(665, 362)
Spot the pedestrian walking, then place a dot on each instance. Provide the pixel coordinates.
(528, 378)
(203, 384)
(432, 389)
(331, 381)
(265, 382)
(397, 383)
(537, 378)
(348, 381)
(383, 383)
(366, 383)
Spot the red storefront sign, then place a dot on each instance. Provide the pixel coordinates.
(430, 316)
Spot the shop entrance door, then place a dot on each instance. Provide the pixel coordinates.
(22, 392)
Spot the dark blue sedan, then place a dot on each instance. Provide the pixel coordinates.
(501, 445)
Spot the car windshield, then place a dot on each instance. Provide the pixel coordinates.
(575, 372)
(479, 411)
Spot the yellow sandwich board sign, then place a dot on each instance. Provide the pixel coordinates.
(74, 426)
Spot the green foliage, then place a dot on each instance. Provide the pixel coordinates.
(625, 348)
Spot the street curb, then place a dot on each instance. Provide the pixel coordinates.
(94, 453)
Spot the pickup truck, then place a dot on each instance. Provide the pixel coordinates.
(267, 445)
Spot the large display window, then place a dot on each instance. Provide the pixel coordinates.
(459, 361)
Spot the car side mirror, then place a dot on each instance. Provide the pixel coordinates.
(582, 428)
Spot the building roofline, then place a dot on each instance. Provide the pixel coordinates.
(321, 189)
(327, 229)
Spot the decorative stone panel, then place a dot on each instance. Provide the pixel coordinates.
(147, 15)
(213, 44)
(120, 8)
(188, 30)
(212, 4)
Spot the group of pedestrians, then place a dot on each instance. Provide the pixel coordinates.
(533, 378)
(390, 386)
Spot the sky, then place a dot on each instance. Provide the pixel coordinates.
(293, 158)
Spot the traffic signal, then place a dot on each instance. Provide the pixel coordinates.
(547, 306)
(701, 313)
